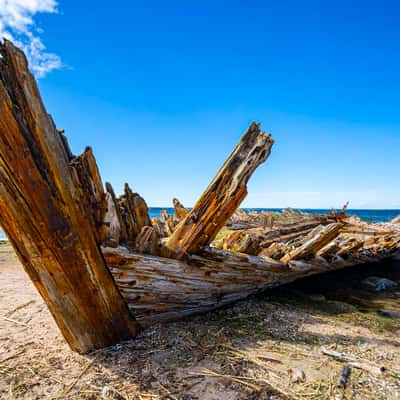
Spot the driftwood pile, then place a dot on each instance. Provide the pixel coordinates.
(243, 261)
(332, 238)
(105, 268)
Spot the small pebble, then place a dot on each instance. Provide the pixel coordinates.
(298, 376)
(105, 392)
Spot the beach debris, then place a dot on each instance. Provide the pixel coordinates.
(344, 376)
(20, 307)
(359, 364)
(15, 321)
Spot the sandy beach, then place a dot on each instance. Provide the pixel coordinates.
(267, 347)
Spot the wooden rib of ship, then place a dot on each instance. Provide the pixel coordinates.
(106, 269)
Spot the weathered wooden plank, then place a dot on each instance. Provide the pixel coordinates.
(222, 197)
(317, 242)
(180, 211)
(87, 181)
(134, 211)
(161, 289)
(148, 241)
(168, 221)
(159, 226)
(43, 216)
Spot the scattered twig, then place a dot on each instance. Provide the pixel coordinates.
(248, 357)
(10, 390)
(14, 321)
(193, 384)
(166, 390)
(254, 359)
(364, 365)
(44, 376)
(19, 307)
(243, 380)
(71, 386)
(274, 380)
(12, 356)
(122, 396)
(270, 359)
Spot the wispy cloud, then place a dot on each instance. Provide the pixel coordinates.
(17, 24)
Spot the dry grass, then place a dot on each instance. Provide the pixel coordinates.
(251, 350)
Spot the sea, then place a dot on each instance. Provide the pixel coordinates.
(370, 216)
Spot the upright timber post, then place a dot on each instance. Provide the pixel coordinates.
(222, 197)
(41, 210)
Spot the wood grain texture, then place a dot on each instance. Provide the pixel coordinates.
(222, 197)
(134, 212)
(180, 211)
(161, 289)
(43, 215)
(317, 242)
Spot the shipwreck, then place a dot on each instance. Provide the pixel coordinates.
(106, 269)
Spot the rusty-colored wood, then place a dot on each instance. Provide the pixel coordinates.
(161, 289)
(317, 242)
(43, 215)
(148, 241)
(88, 183)
(180, 211)
(134, 211)
(222, 197)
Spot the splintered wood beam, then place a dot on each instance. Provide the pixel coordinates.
(180, 211)
(222, 197)
(161, 289)
(253, 240)
(134, 211)
(43, 215)
(114, 230)
(168, 222)
(91, 191)
(148, 241)
(317, 242)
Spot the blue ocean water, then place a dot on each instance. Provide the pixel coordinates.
(366, 215)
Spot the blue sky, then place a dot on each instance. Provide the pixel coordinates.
(162, 91)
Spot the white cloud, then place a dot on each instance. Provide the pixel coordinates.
(18, 25)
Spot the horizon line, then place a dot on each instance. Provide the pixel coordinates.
(299, 208)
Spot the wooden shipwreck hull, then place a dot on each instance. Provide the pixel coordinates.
(105, 268)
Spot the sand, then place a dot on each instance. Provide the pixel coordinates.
(267, 347)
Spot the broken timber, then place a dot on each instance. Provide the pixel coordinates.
(222, 197)
(46, 210)
(104, 267)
